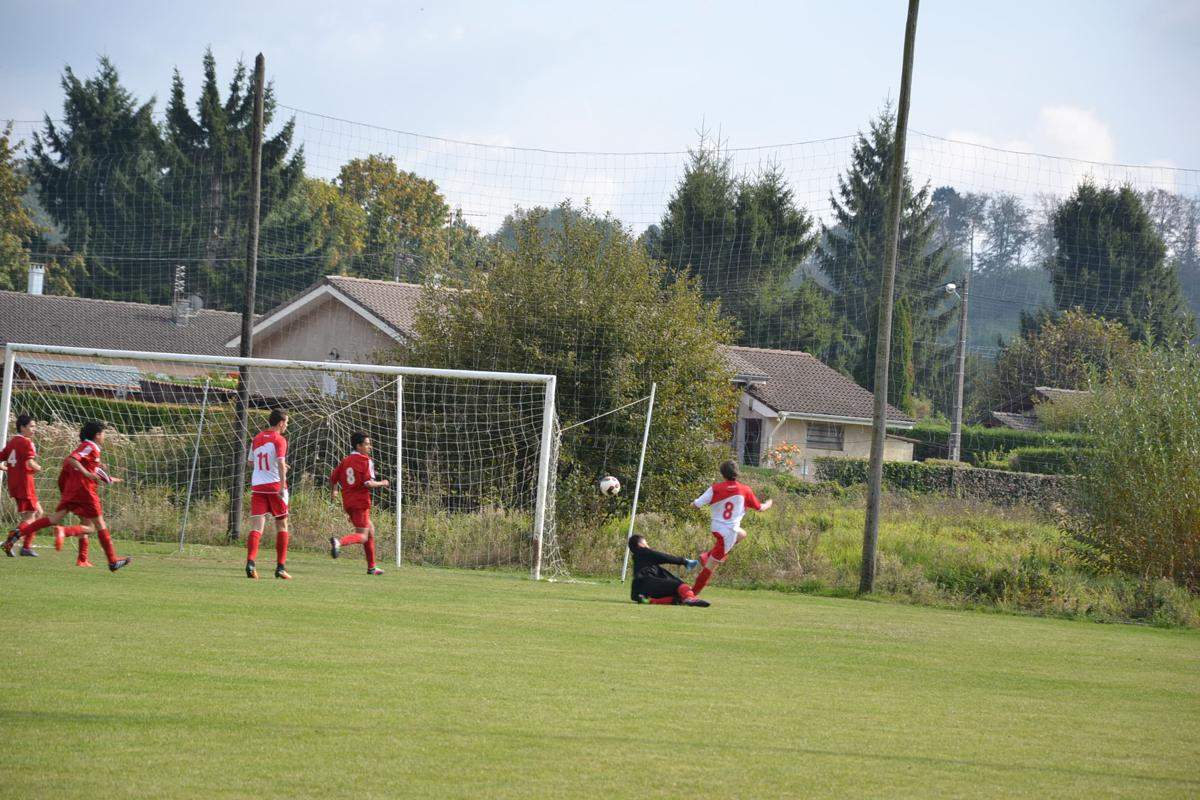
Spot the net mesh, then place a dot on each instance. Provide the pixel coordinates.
(525, 259)
(469, 466)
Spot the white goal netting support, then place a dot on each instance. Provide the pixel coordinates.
(470, 455)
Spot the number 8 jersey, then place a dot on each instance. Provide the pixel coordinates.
(728, 501)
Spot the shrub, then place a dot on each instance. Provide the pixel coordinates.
(980, 444)
(1139, 497)
(1046, 460)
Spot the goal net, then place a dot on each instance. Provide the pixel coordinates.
(470, 456)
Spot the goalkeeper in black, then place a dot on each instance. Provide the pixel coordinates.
(652, 583)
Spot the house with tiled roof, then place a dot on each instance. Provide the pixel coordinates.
(1022, 414)
(790, 398)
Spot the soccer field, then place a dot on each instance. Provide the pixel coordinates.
(180, 678)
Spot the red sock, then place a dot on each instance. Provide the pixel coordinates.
(685, 592)
(83, 549)
(105, 538)
(27, 528)
(252, 545)
(369, 547)
(28, 543)
(701, 580)
(662, 601)
(353, 538)
(74, 530)
(281, 540)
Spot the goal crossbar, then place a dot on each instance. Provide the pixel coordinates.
(399, 372)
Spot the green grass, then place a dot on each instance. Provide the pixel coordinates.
(179, 678)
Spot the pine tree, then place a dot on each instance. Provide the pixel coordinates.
(97, 175)
(851, 255)
(1110, 262)
(207, 185)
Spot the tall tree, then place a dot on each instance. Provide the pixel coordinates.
(405, 219)
(1111, 262)
(1007, 235)
(17, 228)
(851, 255)
(207, 186)
(97, 174)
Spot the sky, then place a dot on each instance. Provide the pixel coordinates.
(1098, 80)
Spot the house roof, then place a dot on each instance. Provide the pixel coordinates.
(1053, 394)
(111, 324)
(81, 373)
(390, 306)
(1018, 422)
(802, 385)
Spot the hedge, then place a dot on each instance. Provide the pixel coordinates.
(1000, 487)
(979, 442)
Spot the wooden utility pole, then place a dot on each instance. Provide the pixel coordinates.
(960, 358)
(887, 287)
(242, 421)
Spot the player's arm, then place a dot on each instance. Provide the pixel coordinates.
(753, 502)
(704, 500)
(77, 465)
(374, 484)
(658, 557)
(33, 466)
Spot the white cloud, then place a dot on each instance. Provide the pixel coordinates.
(1076, 133)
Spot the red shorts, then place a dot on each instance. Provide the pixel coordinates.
(262, 504)
(360, 517)
(26, 505)
(721, 549)
(84, 506)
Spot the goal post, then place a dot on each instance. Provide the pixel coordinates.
(469, 452)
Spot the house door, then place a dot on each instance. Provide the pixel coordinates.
(752, 442)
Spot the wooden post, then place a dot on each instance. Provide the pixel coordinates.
(887, 287)
(242, 421)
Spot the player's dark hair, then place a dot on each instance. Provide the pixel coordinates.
(729, 471)
(357, 438)
(636, 540)
(23, 420)
(91, 430)
(278, 415)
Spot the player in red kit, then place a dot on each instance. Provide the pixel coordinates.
(17, 459)
(81, 473)
(268, 493)
(728, 502)
(355, 476)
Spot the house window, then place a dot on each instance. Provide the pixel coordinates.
(824, 436)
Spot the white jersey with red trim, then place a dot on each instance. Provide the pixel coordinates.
(268, 449)
(728, 501)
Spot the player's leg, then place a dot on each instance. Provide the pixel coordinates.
(32, 526)
(30, 510)
(258, 518)
(110, 551)
(281, 544)
(357, 536)
(369, 549)
(81, 531)
(711, 559)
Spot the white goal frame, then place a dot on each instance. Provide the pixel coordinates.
(544, 446)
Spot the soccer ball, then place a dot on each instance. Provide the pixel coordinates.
(610, 486)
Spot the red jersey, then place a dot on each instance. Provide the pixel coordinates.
(17, 454)
(729, 501)
(268, 449)
(352, 476)
(73, 483)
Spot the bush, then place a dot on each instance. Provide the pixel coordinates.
(1046, 460)
(1138, 500)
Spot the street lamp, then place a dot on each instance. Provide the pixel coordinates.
(960, 371)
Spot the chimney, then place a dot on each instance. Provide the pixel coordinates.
(37, 278)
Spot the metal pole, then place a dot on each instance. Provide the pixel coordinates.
(398, 492)
(960, 373)
(637, 487)
(887, 287)
(247, 343)
(10, 362)
(187, 500)
(543, 485)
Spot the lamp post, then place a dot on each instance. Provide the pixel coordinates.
(960, 371)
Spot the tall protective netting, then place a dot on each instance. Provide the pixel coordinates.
(469, 464)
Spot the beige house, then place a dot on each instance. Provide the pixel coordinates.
(792, 398)
(337, 319)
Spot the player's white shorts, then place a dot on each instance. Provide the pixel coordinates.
(725, 542)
